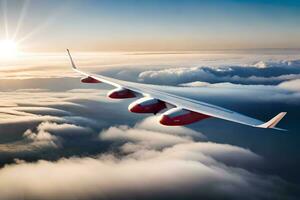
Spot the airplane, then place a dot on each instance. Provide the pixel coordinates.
(180, 111)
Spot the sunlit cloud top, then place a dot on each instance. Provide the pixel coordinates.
(130, 25)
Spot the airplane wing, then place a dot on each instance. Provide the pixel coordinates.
(183, 111)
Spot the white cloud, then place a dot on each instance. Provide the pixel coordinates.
(41, 139)
(63, 129)
(49, 135)
(183, 168)
(293, 85)
(195, 84)
(144, 137)
(266, 73)
(278, 63)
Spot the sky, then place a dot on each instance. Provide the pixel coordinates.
(164, 25)
(62, 139)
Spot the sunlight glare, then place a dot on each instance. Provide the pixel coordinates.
(8, 49)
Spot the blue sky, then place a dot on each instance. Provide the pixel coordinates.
(156, 25)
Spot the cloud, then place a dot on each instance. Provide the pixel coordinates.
(181, 168)
(140, 137)
(67, 122)
(267, 73)
(31, 144)
(64, 129)
(153, 139)
(41, 138)
(279, 63)
(43, 111)
(195, 84)
(108, 177)
(51, 147)
(293, 85)
(46, 136)
(59, 142)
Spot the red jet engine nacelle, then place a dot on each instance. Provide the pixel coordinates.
(147, 105)
(89, 80)
(120, 93)
(180, 117)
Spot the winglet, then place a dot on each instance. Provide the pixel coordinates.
(272, 123)
(71, 59)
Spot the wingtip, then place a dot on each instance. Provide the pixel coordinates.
(71, 59)
(273, 122)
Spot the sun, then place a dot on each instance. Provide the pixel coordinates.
(8, 49)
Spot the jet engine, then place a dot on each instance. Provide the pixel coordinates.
(147, 105)
(179, 116)
(120, 93)
(89, 80)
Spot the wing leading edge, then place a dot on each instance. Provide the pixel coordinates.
(185, 103)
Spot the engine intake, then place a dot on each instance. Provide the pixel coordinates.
(179, 117)
(147, 105)
(120, 93)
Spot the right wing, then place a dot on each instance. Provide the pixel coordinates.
(195, 107)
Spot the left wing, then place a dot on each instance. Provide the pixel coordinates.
(183, 110)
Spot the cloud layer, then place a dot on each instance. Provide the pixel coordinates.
(261, 73)
(144, 160)
(63, 140)
(165, 165)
